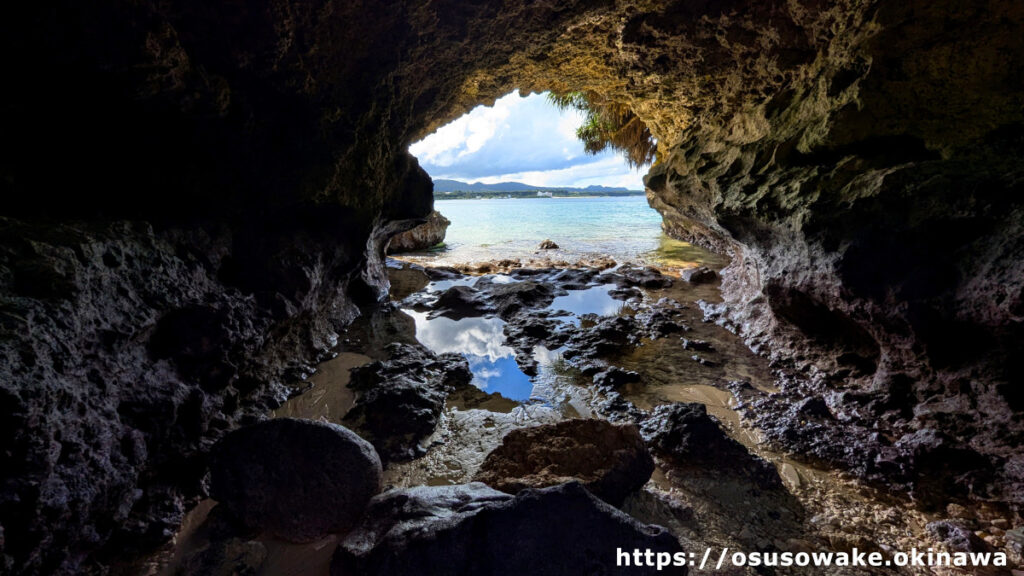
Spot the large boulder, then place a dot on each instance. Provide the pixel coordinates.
(610, 460)
(296, 479)
(472, 529)
(430, 233)
(400, 400)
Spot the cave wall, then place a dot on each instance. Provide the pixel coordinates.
(197, 196)
(875, 220)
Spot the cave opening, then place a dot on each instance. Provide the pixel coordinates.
(196, 302)
(543, 174)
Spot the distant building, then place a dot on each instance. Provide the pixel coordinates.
(543, 194)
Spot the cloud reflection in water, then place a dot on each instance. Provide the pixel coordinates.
(482, 342)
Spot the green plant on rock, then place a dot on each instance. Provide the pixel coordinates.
(609, 124)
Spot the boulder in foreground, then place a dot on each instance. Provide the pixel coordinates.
(610, 460)
(472, 529)
(296, 479)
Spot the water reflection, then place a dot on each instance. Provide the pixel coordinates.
(442, 285)
(482, 342)
(594, 300)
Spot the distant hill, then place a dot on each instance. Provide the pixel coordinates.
(442, 186)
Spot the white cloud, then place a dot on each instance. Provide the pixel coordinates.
(522, 139)
(465, 135)
(599, 170)
(482, 337)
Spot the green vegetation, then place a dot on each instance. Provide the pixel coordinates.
(609, 124)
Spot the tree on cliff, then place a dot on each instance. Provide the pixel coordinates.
(609, 124)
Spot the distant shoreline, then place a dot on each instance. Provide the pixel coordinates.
(526, 194)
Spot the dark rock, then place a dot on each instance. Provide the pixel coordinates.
(400, 400)
(296, 479)
(547, 245)
(625, 293)
(608, 335)
(701, 345)
(617, 409)
(232, 557)
(956, 536)
(423, 236)
(559, 531)
(698, 275)
(646, 277)
(659, 321)
(687, 434)
(439, 273)
(610, 460)
(615, 377)
(460, 302)
(221, 524)
(813, 408)
(117, 380)
(574, 278)
(705, 362)
(509, 299)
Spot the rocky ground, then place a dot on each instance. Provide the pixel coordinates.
(637, 406)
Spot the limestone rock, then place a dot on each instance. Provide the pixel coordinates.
(698, 275)
(958, 537)
(423, 236)
(547, 245)
(471, 529)
(296, 479)
(610, 460)
(689, 436)
(400, 399)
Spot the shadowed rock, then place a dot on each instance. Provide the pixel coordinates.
(471, 529)
(699, 275)
(685, 433)
(610, 460)
(233, 557)
(400, 399)
(296, 479)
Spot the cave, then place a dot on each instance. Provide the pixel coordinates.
(197, 200)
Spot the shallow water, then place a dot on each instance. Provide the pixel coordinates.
(624, 228)
(482, 342)
(594, 300)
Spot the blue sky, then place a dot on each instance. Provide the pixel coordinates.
(522, 140)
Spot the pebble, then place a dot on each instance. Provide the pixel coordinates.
(790, 475)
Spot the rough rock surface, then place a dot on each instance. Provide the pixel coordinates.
(699, 275)
(610, 460)
(232, 557)
(547, 245)
(859, 159)
(400, 399)
(296, 479)
(686, 433)
(472, 529)
(426, 235)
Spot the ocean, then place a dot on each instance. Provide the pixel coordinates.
(623, 227)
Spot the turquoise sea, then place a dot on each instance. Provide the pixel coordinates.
(625, 228)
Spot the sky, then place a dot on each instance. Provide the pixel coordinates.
(521, 140)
